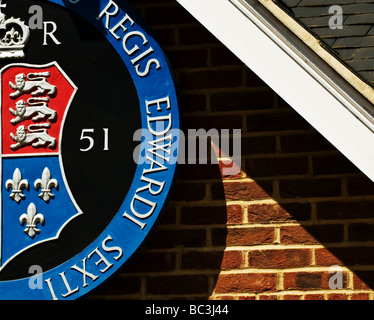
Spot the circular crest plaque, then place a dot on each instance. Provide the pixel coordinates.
(89, 141)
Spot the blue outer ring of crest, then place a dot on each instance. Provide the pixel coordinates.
(125, 234)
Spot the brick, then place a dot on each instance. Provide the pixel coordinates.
(308, 280)
(280, 259)
(296, 211)
(228, 147)
(234, 214)
(189, 284)
(253, 80)
(292, 297)
(265, 213)
(207, 123)
(302, 281)
(268, 167)
(305, 143)
(312, 234)
(210, 79)
(363, 280)
(276, 121)
(194, 58)
(192, 102)
(360, 296)
(268, 297)
(218, 236)
(246, 283)
(224, 297)
(334, 164)
(188, 191)
(191, 35)
(337, 296)
(169, 217)
(252, 100)
(204, 215)
(258, 145)
(296, 235)
(119, 286)
(360, 186)
(232, 260)
(345, 210)
(218, 191)
(310, 188)
(283, 106)
(314, 296)
(199, 172)
(166, 37)
(361, 232)
(269, 212)
(323, 257)
(202, 260)
(166, 238)
(249, 236)
(171, 14)
(349, 256)
(222, 56)
(245, 190)
(230, 170)
(248, 298)
(153, 262)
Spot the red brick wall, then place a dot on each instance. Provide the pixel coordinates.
(274, 230)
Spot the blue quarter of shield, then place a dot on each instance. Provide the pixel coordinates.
(36, 204)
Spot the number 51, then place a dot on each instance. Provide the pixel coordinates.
(91, 141)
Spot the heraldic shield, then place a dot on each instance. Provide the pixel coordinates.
(36, 200)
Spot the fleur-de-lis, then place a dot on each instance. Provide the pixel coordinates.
(31, 219)
(17, 184)
(46, 184)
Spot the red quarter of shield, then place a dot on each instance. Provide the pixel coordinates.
(34, 102)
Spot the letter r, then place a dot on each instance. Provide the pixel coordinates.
(108, 13)
(50, 33)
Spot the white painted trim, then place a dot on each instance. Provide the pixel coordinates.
(329, 111)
